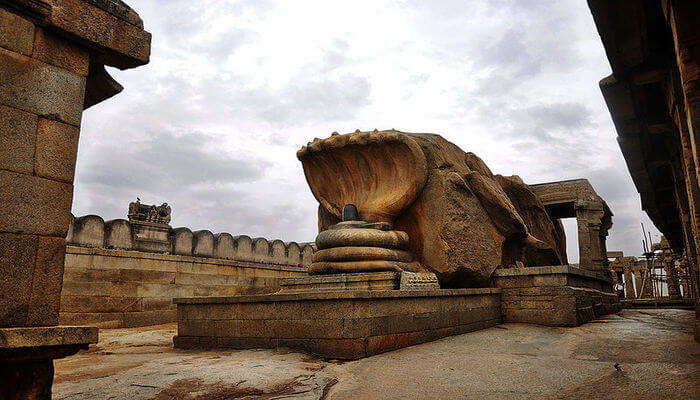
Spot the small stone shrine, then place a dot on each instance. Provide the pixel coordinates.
(150, 226)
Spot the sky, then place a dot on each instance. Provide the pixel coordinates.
(234, 88)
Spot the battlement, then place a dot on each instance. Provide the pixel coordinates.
(93, 231)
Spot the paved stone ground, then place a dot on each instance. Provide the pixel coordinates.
(656, 356)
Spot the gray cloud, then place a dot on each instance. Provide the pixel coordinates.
(165, 159)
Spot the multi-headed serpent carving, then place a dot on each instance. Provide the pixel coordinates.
(423, 204)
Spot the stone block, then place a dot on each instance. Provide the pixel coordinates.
(261, 250)
(157, 303)
(384, 343)
(89, 230)
(41, 89)
(279, 252)
(60, 53)
(97, 319)
(203, 243)
(118, 234)
(17, 261)
(224, 246)
(293, 254)
(34, 205)
(124, 45)
(145, 318)
(181, 239)
(45, 336)
(150, 236)
(16, 33)
(56, 150)
(114, 289)
(244, 248)
(17, 139)
(48, 280)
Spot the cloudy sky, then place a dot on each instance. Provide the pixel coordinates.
(234, 88)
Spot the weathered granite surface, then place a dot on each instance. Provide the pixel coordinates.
(653, 349)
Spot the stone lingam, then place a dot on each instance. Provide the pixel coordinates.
(358, 246)
(355, 254)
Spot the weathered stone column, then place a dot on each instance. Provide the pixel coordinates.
(52, 57)
(683, 17)
(591, 234)
(629, 281)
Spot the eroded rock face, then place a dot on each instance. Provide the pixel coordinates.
(462, 221)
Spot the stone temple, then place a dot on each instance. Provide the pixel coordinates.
(418, 240)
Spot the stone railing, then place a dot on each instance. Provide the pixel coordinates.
(93, 231)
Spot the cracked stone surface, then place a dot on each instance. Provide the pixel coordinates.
(654, 351)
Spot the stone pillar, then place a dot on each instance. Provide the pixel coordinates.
(674, 291)
(52, 57)
(683, 18)
(591, 234)
(629, 280)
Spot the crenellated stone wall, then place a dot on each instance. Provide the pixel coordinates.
(109, 283)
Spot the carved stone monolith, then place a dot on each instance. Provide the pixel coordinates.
(459, 220)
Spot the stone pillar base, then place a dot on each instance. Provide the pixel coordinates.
(27, 354)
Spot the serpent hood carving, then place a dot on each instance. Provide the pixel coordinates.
(462, 221)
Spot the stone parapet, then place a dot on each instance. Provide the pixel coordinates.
(93, 231)
(348, 324)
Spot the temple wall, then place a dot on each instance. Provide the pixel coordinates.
(108, 283)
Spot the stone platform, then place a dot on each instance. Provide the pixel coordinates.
(561, 295)
(342, 324)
